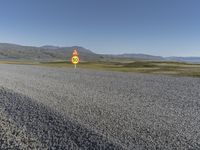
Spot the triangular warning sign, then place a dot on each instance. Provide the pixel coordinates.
(75, 52)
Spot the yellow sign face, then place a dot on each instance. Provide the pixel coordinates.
(75, 59)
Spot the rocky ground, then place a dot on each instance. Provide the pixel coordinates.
(62, 108)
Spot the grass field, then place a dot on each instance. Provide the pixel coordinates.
(153, 67)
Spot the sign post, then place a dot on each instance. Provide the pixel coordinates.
(75, 59)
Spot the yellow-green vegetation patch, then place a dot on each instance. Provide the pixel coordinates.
(154, 67)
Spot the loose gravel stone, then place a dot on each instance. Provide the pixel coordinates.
(136, 111)
(51, 129)
(14, 137)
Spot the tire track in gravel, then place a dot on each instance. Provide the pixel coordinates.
(48, 126)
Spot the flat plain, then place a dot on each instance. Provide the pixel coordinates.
(60, 108)
(121, 65)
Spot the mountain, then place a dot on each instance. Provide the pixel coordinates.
(14, 51)
(141, 56)
(184, 59)
(50, 47)
(52, 53)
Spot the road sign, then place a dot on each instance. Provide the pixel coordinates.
(75, 60)
(75, 52)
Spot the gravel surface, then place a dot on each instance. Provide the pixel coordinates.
(47, 126)
(117, 110)
(14, 137)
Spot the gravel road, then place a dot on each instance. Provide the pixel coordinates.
(62, 108)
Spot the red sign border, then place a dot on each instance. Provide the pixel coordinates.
(76, 52)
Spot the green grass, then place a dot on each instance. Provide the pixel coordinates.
(152, 67)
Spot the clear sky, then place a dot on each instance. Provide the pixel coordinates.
(158, 27)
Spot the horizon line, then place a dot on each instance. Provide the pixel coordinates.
(98, 53)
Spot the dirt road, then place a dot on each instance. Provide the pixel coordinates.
(68, 108)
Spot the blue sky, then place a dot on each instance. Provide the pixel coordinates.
(157, 27)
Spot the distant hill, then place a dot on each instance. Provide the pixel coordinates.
(13, 51)
(50, 47)
(51, 53)
(141, 56)
(184, 59)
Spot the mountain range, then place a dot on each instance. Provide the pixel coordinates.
(50, 53)
(13, 51)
